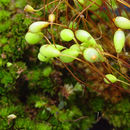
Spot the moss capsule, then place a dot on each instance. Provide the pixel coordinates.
(49, 51)
(33, 38)
(38, 26)
(68, 52)
(110, 77)
(67, 35)
(77, 47)
(91, 55)
(51, 18)
(119, 40)
(59, 47)
(84, 36)
(122, 22)
(29, 8)
(42, 58)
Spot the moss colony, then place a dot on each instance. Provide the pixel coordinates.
(68, 74)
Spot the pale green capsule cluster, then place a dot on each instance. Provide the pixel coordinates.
(49, 51)
(85, 44)
(34, 35)
(68, 55)
(119, 36)
(87, 47)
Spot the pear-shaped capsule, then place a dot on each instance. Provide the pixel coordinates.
(51, 18)
(122, 22)
(68, 54)
(119, 40)
(59, 47)
(29, 8)
(85, 37)
(49, 51)
(67, 35)
(42, 58)
(91, 55)
(33, 38)
(111, 78)
(77, 47)
(38, 26)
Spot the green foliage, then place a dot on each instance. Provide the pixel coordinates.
(121, 116)
(4, 15)
(4, 2)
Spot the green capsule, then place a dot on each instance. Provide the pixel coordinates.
(42, 58)
(38, 26)
(98, 46)
(122, 22)
(88, 44)
(77, 47)
(49, 51)
(119, 40)
(33, 38)
(85, 44)
(69, 52)
(85, 37)
(91, 55)
(111, 77)
(29, 8)
(59, 47)
(51, 18)
(67, 35)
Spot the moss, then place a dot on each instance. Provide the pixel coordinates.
(57, 101)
